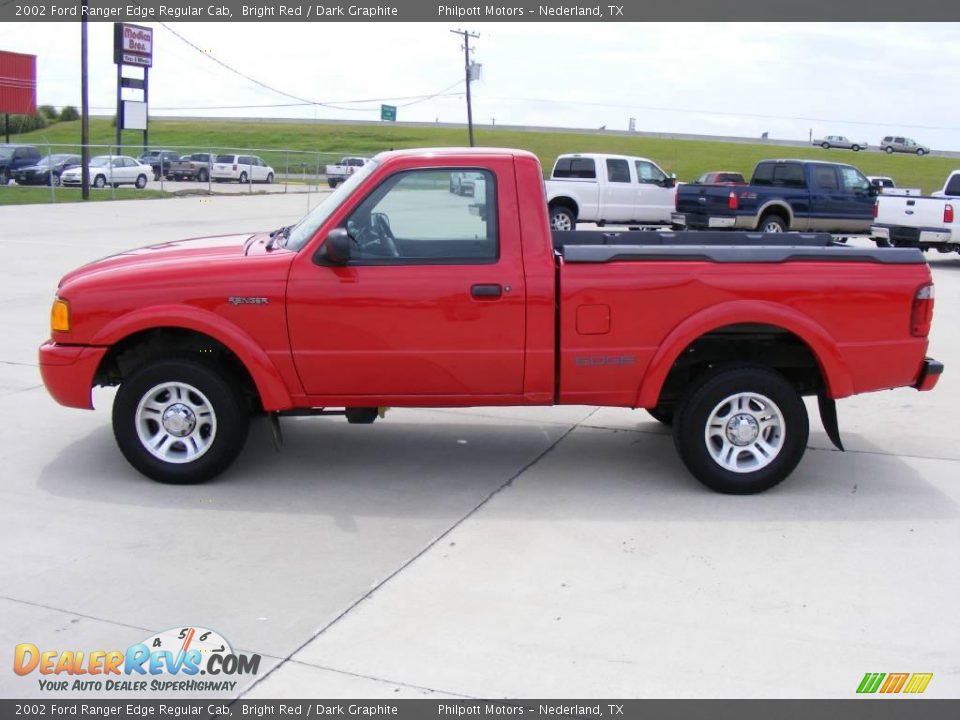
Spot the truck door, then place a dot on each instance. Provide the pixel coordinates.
(432, 302)
(857, 200)
(618, 193)
(654, 202)
(826, 198)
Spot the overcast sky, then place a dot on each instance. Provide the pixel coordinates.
(863, 80)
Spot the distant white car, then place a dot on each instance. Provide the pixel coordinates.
(113, 170)
(840, 141)
(242, 168)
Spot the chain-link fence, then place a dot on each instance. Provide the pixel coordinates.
(51, 172)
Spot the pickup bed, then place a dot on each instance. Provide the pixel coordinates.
(396, 292)
(920, 222)
(782, 195)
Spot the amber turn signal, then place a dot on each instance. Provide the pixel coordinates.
(60, 316)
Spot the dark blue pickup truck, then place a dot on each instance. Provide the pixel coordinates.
(782, 195)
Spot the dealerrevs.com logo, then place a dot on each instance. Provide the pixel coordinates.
(171, 661)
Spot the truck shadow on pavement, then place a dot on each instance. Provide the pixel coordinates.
(432, 464)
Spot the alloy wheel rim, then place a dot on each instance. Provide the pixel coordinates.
(745, 432)
(175, 422)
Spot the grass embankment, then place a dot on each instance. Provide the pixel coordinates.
(14, 195)
(687, 158)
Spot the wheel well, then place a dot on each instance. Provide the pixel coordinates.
(133, 351)
(567, 203)
(778, 210)
(754, 343)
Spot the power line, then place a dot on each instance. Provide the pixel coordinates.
(335, 105)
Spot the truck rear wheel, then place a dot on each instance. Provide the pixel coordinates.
(741, 430)
(562, 218)
(773, 224)
(179, 421)
(202, 175)
(825, 146)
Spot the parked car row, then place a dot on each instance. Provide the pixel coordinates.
(889, 144)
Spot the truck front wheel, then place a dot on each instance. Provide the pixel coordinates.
(562, 218)
(179, 421)
(741, 430)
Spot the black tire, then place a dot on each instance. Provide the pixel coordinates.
(202, 176)
(230, 417)
(156, 174)
(55, 179)
(772, 220)
(269, 178)
(562, 218)
(856, 148)
(141, 182)
(116, 185)
(706, 397)
(331, 182)
(888, 150)
(921, 152)
(100, 181)
(825, 146)
(243, 178)
(663, 413)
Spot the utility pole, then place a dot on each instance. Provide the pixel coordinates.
(466, 34)
(84, 110)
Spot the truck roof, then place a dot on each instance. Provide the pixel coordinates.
(803, 161)
(443, 151)
(604, 156)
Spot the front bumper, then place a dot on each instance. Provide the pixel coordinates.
(930, 373)
(68, 372)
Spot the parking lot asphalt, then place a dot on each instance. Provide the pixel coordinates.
(481, 552)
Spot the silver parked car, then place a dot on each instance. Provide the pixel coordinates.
(839, 141)
(895, 143)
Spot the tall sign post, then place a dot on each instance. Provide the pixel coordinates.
(133, 47)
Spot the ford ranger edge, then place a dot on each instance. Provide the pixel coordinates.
(396, 292)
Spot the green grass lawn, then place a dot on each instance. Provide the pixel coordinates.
(13, 195)
(687, 158)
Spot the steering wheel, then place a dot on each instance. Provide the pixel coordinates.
(382, 227)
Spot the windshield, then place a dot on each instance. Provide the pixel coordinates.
(100, 161)
(304, 230)
(6, 153)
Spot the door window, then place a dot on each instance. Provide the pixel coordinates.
(826, 178)
(953, 186)
(649, 173)
(568, 167)
(853, 181)
(413, 217)
(618, 171)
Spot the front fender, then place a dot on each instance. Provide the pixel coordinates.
(274, 394)
(835, 371)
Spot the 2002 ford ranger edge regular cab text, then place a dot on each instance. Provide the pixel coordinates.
(396, 292)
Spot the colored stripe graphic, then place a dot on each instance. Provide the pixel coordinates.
(918, 683)
(870, 682)
(894, 683)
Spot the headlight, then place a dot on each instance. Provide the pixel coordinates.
(60, 316)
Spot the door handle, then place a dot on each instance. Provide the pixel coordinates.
(486, 291)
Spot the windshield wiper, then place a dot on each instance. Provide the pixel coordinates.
(275, 236)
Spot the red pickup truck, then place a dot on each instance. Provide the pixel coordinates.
(397, 292)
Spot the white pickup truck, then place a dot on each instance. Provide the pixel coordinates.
(605, 189)
(342, 171)
(920, 222)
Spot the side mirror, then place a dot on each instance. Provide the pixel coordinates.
(670, 182)
(337, 247)
(873, 190)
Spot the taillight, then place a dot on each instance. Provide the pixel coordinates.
(234, 167)
(948, 213)
(921, 314)
(732, 202)
(876, 210)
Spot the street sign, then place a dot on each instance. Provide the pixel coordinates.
(388, 112)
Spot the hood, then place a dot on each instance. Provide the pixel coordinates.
(165, 256)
